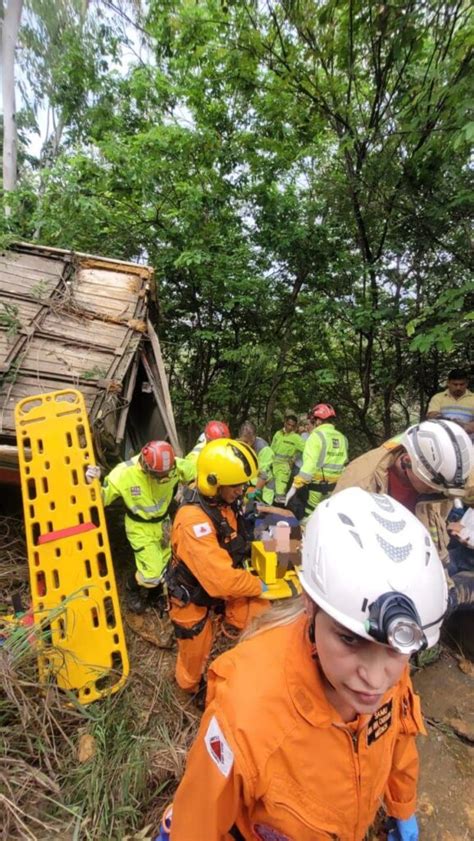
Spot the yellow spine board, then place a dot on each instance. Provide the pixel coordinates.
(73, 589)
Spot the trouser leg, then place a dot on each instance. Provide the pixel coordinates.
(314, 498)
(151, 549)
(194, 651)
(281, 475)
(461, 559)
(461, 594)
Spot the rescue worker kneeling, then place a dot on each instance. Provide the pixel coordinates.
(311, 720)
(207, 574)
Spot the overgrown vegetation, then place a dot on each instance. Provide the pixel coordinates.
(298, 175)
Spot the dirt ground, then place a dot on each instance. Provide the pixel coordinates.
(446, 791)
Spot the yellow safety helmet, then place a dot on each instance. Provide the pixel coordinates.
(225, 462)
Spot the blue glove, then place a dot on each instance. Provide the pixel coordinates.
(404, 830)
(264, 587)
(256, 494)
(165, 827)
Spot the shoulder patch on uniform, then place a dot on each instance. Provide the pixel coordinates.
(201, 529)
(135, 490)
(218, 747)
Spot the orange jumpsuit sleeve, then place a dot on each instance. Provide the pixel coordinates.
(215, 782)
(212, 565)
(400, 794)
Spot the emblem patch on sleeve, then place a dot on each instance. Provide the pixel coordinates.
(218, 747)
(135, 490)
(379, 723)
(201, 529)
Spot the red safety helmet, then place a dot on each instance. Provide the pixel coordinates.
(157, 457)
(323, 411)
(216, 429)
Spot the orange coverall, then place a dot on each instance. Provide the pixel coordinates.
(275, 761)
(194, 541)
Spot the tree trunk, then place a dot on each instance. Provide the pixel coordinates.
(11, 25)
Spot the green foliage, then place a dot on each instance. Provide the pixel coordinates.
(297, 173)
(9, 319)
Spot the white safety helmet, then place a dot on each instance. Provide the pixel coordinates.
(441, 453)
(370, 564)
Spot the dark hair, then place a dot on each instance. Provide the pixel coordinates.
(458, 374)
(248, 426)
(292, 417)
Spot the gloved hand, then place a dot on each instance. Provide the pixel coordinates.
(264, 587)
(256, 494)
(406, 830)
(92, 472)
(290, 494)
(165, 827)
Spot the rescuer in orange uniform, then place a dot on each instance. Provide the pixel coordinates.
(207, 573)
(310, 720)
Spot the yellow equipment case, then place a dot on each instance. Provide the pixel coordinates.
(276, 568)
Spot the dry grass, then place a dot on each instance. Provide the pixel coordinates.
(137, 739)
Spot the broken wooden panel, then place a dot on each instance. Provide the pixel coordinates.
(87, 331)
(76, 320)
(67, 360)
(22, 385)
(115, 295)
(30, 275)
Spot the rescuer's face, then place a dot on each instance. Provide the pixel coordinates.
(357, 672)
(230, 493)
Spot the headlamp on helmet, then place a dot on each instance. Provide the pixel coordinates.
(372, 566)
(394, 620)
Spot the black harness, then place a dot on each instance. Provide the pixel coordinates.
(183, 584)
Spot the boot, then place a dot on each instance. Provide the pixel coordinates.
(158, 599)
(137, 597)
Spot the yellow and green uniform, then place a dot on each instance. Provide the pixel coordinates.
(147, 501)
(265, 469)
(324, 457)
(285, 446)
(193, 455)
